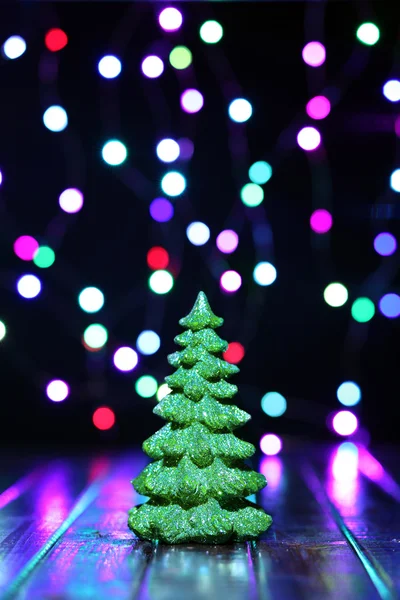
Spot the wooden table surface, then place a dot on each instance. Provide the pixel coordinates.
(64, 535)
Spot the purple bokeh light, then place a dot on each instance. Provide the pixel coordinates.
(192, 101)
(385, 244)
(321, 221)
(227, 241)
(314, 54)
(318, 107)
(161, 210)
(25, 247)
(389, 305)
(186, 148)
(230, 281)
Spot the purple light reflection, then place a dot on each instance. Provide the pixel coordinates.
(372, 468)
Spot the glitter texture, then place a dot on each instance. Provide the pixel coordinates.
(198, 482)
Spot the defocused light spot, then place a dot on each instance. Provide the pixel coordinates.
(103, 418)
(362, 310)
(234, 353)
(252, 194)
(260, 172)
(230, 281)
(161, 210)
(25, 247)
(114, 152)
(152, 67)
(180, 57)
(95, 336)
(391, 90)
(395, 180)
(321, 221)
(148, 342)
(368, 34)
(3, 331)
(345, 422)
(168, 150)
(109, 66)
(1, 177)
(14, 47)
(385, 244)
(55, 40)
(173, 183)
(348, 393)
(71, 200)
(192, 101)
(389, 305)
(57, 390)
(345, 462)
(273, 404)
(314, 54)
(318, 107)
(161, 282)
(125, 359)
(240, 110)
(227, 241)
(309, 138)
(335, 294)
(91, 299)
(44, 257)
(198, 233)
(264, 273)
(270, 444)
(29, 286)
(55, 118)
(211, 32)
(157, 258)
(146, 386)
(170, 19)
(163, 391)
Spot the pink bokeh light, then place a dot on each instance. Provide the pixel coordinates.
(230, 281)
(270, 444)
(170, 19)
(314, 54)
(345, 422)
(318, 107)
(321, 221)
(227, 241)
(25, 247)
(192, 101)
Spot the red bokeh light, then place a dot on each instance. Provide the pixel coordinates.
(103, 418)
(55, 39)
(234, 353)
(157, 258)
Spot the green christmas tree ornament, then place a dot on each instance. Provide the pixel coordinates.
(198, 481)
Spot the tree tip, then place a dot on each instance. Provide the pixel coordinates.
(201, 315)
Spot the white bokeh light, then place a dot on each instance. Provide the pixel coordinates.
(170, 19)
(57, 390)
(230, 281)
(198, 233)
(109, 66)
(148, 342)
(29, 286)
(71, 200)
(55, 118)
(264, 273)
(91, 299)
(14, 47)
(125, 359)
(240, 110)
(152, 67)
(391, 90)
(173, 183)
(395, 180)
(309, 138)
(168, 150)
(114, 152)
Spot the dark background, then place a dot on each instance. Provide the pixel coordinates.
(295, 343)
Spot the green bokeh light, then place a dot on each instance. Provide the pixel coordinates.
(252, 194)
(260, 172)
(211, 32)
(146, 386)
(44, 257)
(3, 330)
(180, 57)
(362, 310)
(368, 34)
(95, 336)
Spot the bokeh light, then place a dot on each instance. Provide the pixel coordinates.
(260, 172)
(368, 34)
(211, 32)
(148, 342)
(336, 294)
(146, 386)
(170, 19)
(309, 138)
(161, 282)
(163, 391)
(109, 66)
(391, 90)
(55, 40)
(362, 310)
(95, 336)
(114, 152)
(345, 422)
(251, 194)
(168, 150)
(186, 148)
(270, 444)
(234, 353)
(395, 180)
(161, 210)
(3, 331)
(71, 200)
(57, 390)
(152, 66)
(1, 177)
(173, 183)
(29, 286)
(348, 393)
(345, 465)
(192, 101)
(125, 359)
(274, 404)
(227, 241)
(198, 233)
(264, 273)
(55, 118)
(230, 281)
(180, 57)
(321, 221)
(314, 54)
(385, 244)
(25, 247)
(103, 418)
(389, 305)
(318, 107)
(157, 258)
(240, 110)
(14, 47)
(44, 257)
(91, 299)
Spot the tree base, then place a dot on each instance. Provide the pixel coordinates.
(208, 523)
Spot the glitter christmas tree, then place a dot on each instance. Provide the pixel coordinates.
(198, 481)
